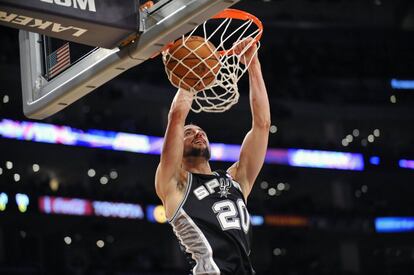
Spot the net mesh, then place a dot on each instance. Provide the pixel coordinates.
(215, 89)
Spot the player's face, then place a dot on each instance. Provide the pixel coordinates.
(196, 143)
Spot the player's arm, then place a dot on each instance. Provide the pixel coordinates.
(172, 150)
(254, 146)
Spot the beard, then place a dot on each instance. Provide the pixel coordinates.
(198, 152)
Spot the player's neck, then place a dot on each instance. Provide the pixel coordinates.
(197, 165)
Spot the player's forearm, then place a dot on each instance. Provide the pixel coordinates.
(173, 140)
(172, 150)
(259, 102)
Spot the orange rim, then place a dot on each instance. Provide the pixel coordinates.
(241, 15)
(235, 14)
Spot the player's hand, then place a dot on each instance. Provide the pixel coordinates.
(183, 100)
(247, 49)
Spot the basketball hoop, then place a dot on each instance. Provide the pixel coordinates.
(225, 31)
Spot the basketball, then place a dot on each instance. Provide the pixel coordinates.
(192, 63)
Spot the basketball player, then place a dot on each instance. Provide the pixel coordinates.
(207, 209)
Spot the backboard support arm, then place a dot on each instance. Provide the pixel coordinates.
(161, 25)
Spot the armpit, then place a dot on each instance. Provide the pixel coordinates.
(182, 181)
(232, 170)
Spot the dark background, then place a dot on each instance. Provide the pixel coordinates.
(327, 65)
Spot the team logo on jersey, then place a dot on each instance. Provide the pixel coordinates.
(225, 185)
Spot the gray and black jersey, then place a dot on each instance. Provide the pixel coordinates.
(212, 225)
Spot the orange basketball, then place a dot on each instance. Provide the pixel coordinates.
(192, 62)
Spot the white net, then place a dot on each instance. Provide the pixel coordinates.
(213, 78)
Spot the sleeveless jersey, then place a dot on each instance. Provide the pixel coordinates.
(212, 225)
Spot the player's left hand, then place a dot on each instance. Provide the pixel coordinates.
(248, 50)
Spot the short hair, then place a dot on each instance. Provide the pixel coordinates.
(193, 124)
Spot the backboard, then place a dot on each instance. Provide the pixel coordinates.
(46, 92)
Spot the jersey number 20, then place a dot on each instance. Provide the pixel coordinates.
(228, 215)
